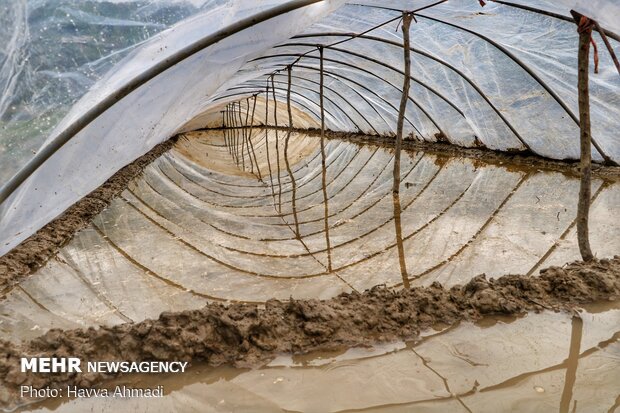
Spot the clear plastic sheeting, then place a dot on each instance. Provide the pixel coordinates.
(54, 51)
(501, 76)
(149, 115)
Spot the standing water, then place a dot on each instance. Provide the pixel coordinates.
(229, 217)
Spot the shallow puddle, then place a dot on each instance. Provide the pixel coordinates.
(277, 216)
(541, 362)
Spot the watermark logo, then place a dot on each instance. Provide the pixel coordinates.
(51, 365)
(74, 365)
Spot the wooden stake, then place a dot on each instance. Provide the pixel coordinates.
(323, 165)
(583, 207)
(288, 165)
(407, 18)
(260, 178)
(267, 141)
(275, 122)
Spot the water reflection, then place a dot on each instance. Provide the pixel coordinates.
(542, 361)
(204, 223)
(198, 226)
(293, 186)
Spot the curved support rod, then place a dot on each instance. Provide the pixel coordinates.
(306, 97)
(337, 94)
(371, 91)
(342, 79)
(300, 103)
(512, 128)
(516, 60)
(460, 112)
(338, 77)
(530, 72)
(417, 105)
(297, 102)
(442, 62)
(335, 77)
(432, 90)
(554, 15)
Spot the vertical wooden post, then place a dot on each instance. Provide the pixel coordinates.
(225, 126)
(241, 141)
(288, 102)
(288, 166)
(273, 194)
(246, 146)
(275, 122)
(236, 133)
(583, 207)
(323, 164)
(260, 178)
(407, 18)
(228, 125)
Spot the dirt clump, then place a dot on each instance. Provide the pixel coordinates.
(35, 251)
(248, 335)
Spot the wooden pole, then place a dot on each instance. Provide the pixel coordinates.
(236, 133)
(241, 141)
(583, 207)
(246, 145)
(260, 178)
(407, 18)
(288, 165)
(273, 194)
(275, 122)
(323, 165)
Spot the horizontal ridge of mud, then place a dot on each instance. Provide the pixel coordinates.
(36, 250)
(248, 335)
(508, 159)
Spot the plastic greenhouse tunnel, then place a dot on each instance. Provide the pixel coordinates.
(309, 205)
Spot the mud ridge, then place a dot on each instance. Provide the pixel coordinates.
(36, 250)
(523, 159)
(246, 335)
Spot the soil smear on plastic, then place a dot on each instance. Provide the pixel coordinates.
(248, 335)
(36, 250)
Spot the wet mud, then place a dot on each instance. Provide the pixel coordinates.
(247, 335)
(523, 159)
(35, 251)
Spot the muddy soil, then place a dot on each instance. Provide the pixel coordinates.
(522, 159)
(248, 335)
(35, 251)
